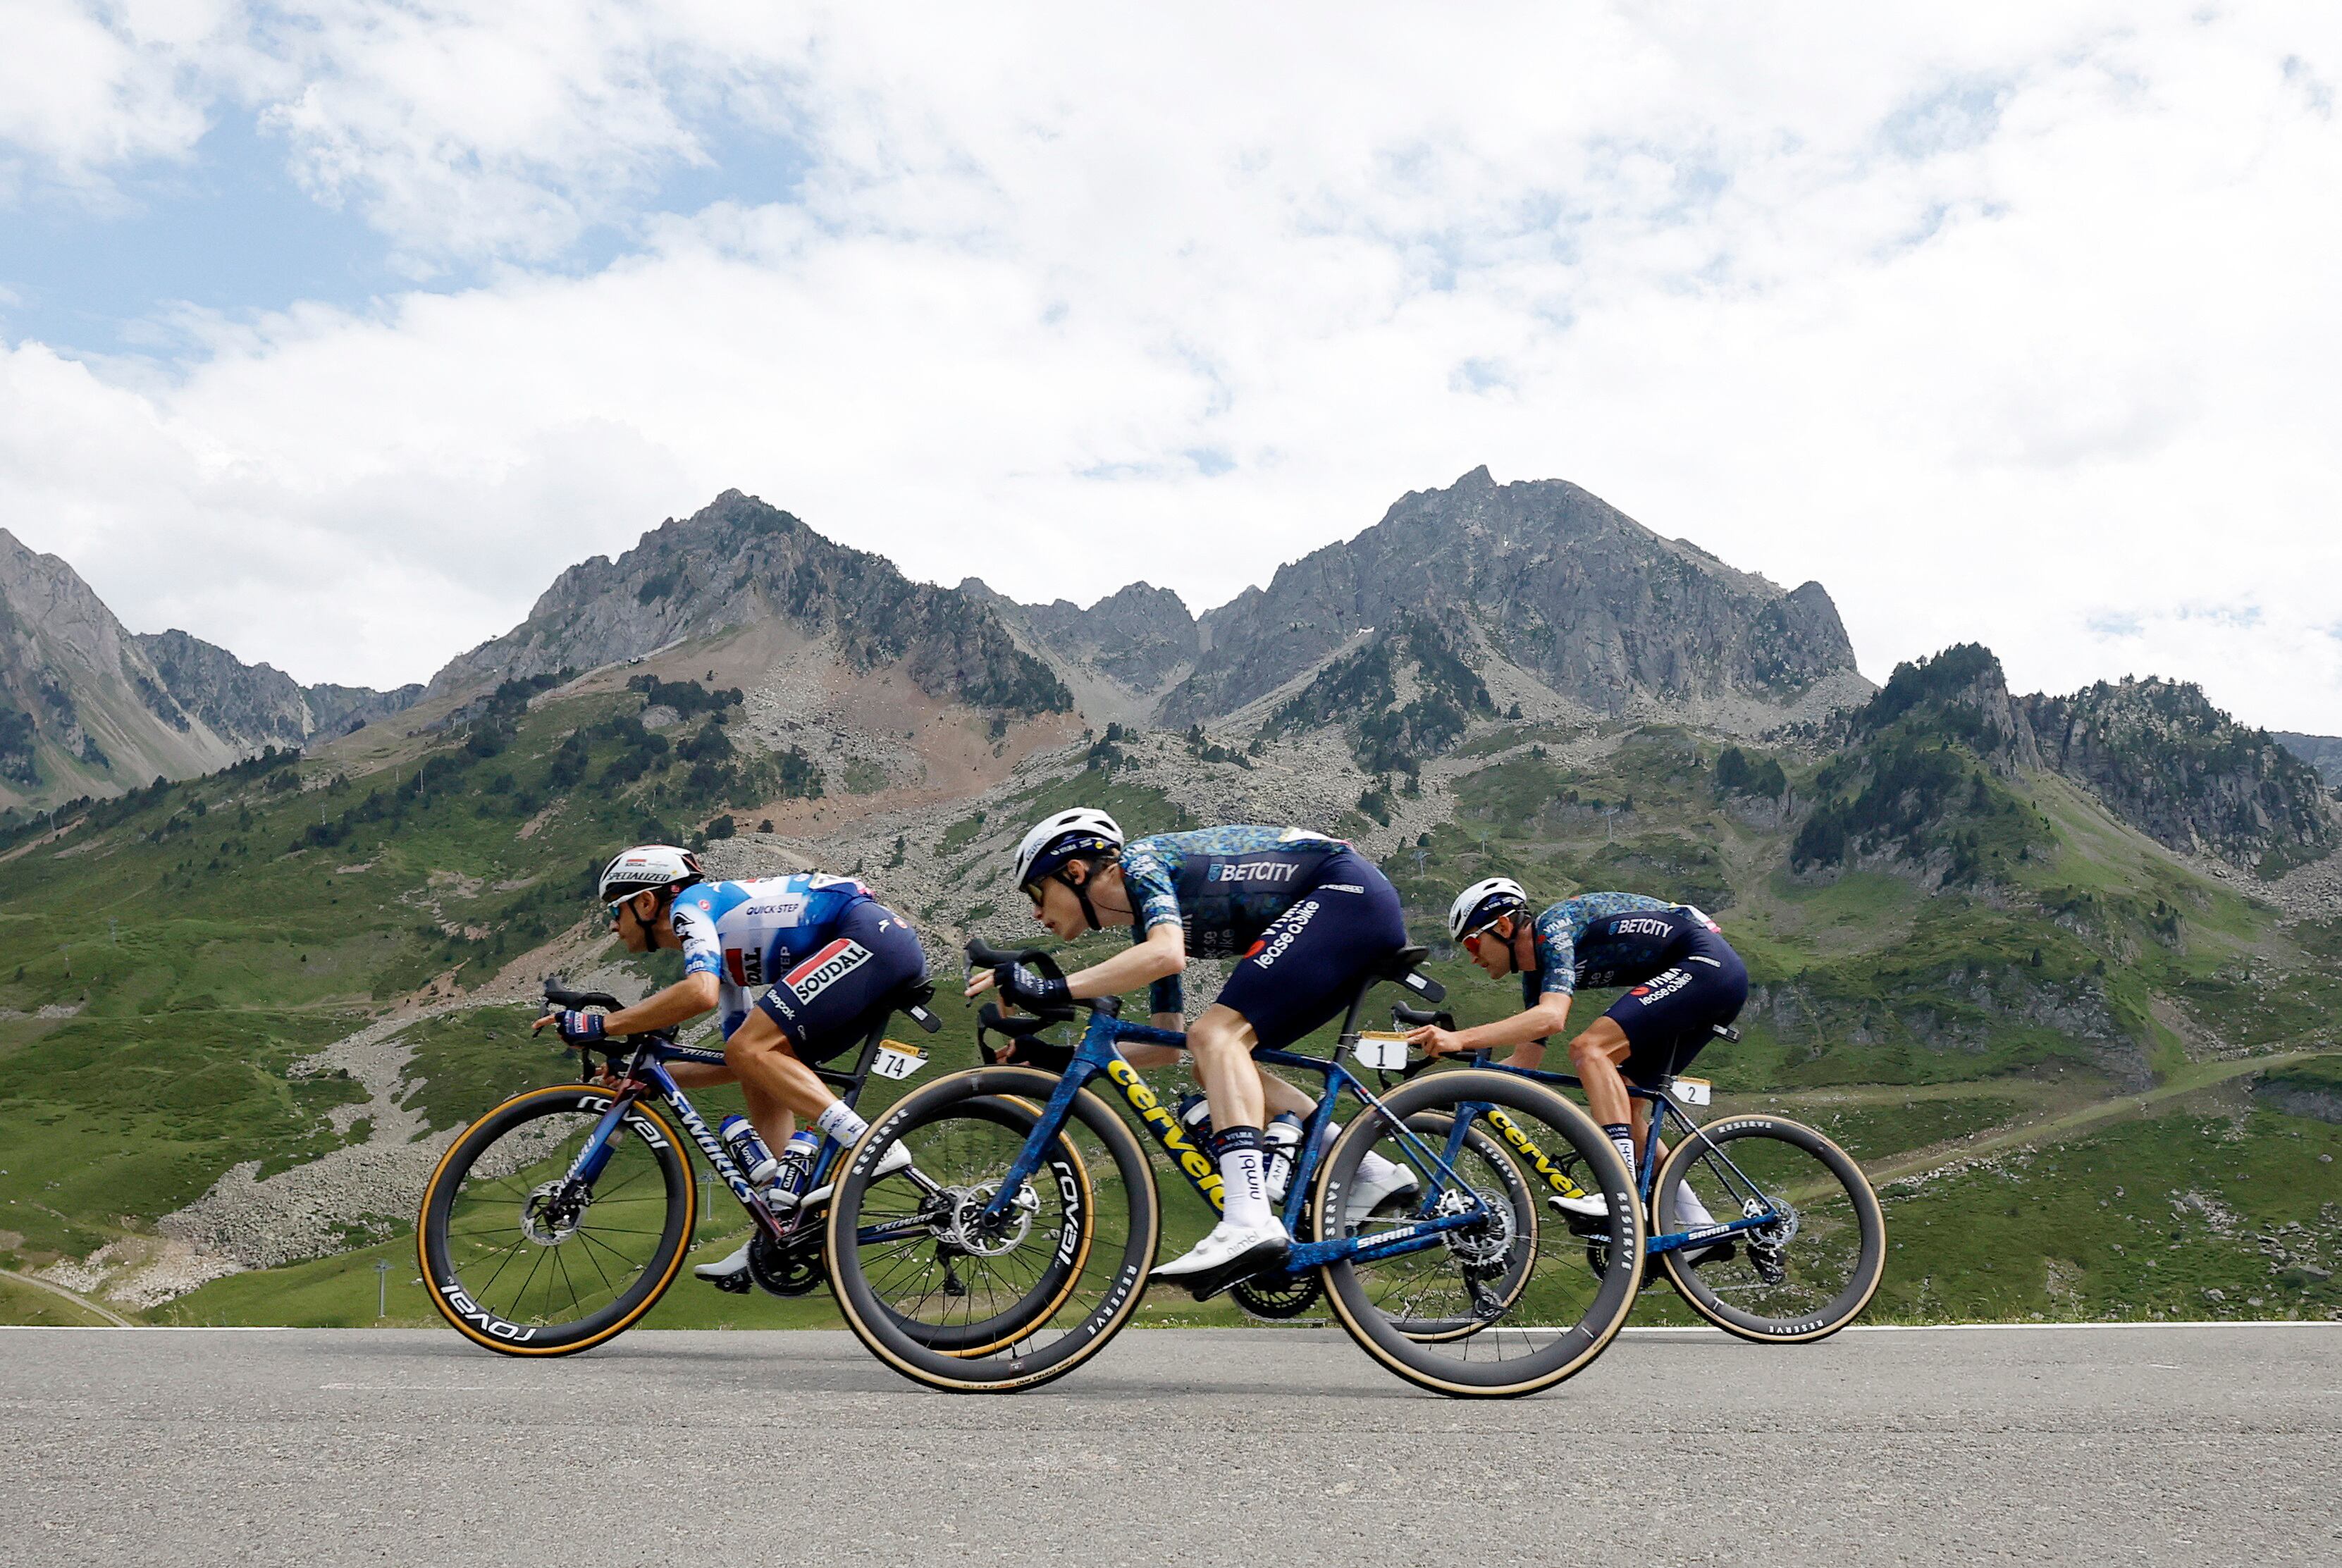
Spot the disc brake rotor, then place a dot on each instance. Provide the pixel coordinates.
(968, 1231)
(1483, 1246)
(551, 1215)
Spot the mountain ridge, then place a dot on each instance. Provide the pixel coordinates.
(89, 707)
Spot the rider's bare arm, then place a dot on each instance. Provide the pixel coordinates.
(680, 1003)
(1524, 1031)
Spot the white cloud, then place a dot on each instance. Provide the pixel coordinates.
(2007, 326)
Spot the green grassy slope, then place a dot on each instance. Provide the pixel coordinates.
(177, 951)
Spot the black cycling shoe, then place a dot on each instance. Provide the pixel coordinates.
(1722, 1252)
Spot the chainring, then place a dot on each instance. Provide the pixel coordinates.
(1277, 1299)
(787, 1269)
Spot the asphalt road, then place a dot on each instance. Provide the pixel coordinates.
(2166, 1446)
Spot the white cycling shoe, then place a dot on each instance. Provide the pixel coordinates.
(1369, 1192)
(897, 1157)
(1584, 1206)
(730, 1274)
(1230, 1253)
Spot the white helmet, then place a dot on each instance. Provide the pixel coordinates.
(1059, 839)
(1483, 904)
(654, 867)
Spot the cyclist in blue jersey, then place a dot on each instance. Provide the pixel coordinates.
(1682, 980)
(1305, 918)
(825, 953)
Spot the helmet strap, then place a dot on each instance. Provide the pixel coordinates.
(1081, 892)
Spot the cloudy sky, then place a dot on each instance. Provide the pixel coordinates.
(331, 331)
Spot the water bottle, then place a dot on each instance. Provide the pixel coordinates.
(1278, 1140)
(797, 1163)
(1195, 1120)
(747, 1150)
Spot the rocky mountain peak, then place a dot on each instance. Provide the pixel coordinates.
(1549, 579)
(738, 561)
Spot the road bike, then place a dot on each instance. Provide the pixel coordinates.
(1459, 1285)
(559, 1219)
(1800, 1242)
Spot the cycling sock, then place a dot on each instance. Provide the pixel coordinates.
(1622, 1138)
(1375, 1168)
(840, 1124)
(1244, 1184)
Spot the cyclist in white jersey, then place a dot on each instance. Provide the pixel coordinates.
(826, 954)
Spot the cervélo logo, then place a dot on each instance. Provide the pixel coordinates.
(826, 969)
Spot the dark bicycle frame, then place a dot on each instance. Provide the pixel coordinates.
(645, 1077)
(1646, 1173)
(1098, 1056)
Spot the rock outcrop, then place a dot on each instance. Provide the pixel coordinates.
(2323, 753)
(2167, 762)
(2156, 754)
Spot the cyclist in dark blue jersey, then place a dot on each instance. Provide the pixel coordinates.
(1682, 981)
(1305, 917)
(824, 952)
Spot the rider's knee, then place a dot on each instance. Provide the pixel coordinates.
(1209, 1036)
(1584, 1052)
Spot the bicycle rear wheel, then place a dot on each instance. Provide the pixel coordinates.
(1495, 1277)
(1801, 1278)
(1552, 1315)
(518, 1263)
(975, 1306)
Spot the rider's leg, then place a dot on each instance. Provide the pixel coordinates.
(774, 1122)
(1595, 1054)
(1276, 1095)
(1221, 1044)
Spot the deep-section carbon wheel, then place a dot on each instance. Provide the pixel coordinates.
(1806, 1274)
(1520, 1310)
(957, 1300)
(520, 1262)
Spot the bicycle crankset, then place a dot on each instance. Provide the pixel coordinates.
(787, 1268)
(1274, 1298)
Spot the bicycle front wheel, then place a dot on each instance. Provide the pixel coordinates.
(521, 1263)
(971, 1304)
(1807, 1273)
(1503, 1304)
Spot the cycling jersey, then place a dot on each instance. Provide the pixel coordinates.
(1222, 886)
(1604, 939)
(756, 933)
(1306, 918)
(1682, 978)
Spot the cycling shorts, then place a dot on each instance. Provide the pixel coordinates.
(1670, 1017)
(832, 997)
(1310, 963)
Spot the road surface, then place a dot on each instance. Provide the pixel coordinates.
(2141, 1445)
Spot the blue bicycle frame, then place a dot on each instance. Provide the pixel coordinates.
(1098, 1056)
(1647, 1173)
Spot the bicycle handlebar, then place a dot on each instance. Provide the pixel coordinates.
(556, 994)
(1418, 1017)
(983, 956)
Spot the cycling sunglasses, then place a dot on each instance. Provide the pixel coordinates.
(1471, 939)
